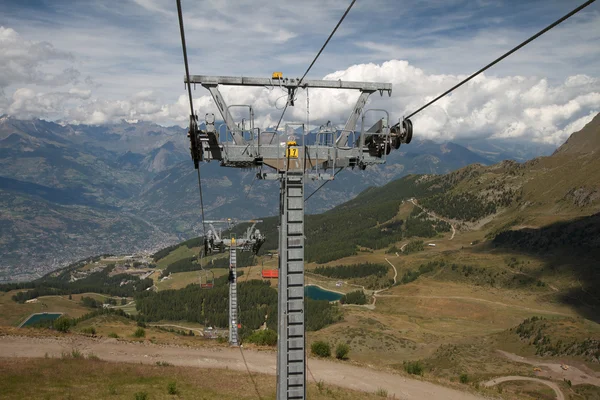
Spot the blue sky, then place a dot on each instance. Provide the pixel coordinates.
(102, 61)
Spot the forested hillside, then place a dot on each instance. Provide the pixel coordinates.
(550, 338)
(257, 301)
(368, 221)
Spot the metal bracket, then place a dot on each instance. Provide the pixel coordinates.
(353, 119)
(224, 110)
(287, 83)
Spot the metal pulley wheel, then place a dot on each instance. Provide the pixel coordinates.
(407, 130)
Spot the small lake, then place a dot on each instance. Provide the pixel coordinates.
(316, 293)
(37, 318)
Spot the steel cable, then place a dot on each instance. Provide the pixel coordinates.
(189, 87)
(325, 183)
(316, 57)
(185, 59)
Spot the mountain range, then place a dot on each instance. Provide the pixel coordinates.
(70, 191)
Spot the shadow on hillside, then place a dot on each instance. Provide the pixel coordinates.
(570, 248)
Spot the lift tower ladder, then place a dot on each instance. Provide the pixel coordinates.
(233, 302)
(291, 342)
(242, 147)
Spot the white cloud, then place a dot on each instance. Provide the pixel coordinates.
(130, 57)
(27, 103)
(516, 107)
(21, 62)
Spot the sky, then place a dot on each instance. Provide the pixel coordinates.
(101, 61)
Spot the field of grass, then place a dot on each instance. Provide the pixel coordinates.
(585, 392)
(376, 257)
(176, 255)
(412, 321)
(12, 313)
(370, 340)
(129, 308)
(571, 332)
(124, 328)
(180, 280)
(53, 379)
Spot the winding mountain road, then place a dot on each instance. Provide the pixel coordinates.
(395, 270)
(553, 370)
(554, 386)
(198, 331)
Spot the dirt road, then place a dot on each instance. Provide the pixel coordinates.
(554, 386)
(334, 373)
(554, 371)
(187, 328)
(395, 270)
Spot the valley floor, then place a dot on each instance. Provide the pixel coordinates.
(334, 373)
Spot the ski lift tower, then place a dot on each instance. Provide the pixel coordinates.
(252, 241)
(292, 161)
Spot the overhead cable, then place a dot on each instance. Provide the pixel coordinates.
(316, 57)
(185, 60)
(540, 33)
(249, 373)
(201, 204)
(327, 41)
(251, 185)
(325, 183)
(189, 87)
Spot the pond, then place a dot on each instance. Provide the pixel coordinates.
(316, 293)
(37, 318)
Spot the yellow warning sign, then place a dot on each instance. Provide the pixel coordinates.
(292, 152)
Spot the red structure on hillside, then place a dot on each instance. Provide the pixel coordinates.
(270, 273)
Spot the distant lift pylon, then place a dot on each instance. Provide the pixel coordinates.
(292, 160)
(251, 241)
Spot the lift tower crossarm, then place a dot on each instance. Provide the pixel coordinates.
(289, 83)
(248, 239)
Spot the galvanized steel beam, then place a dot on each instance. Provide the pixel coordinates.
(289, 83)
